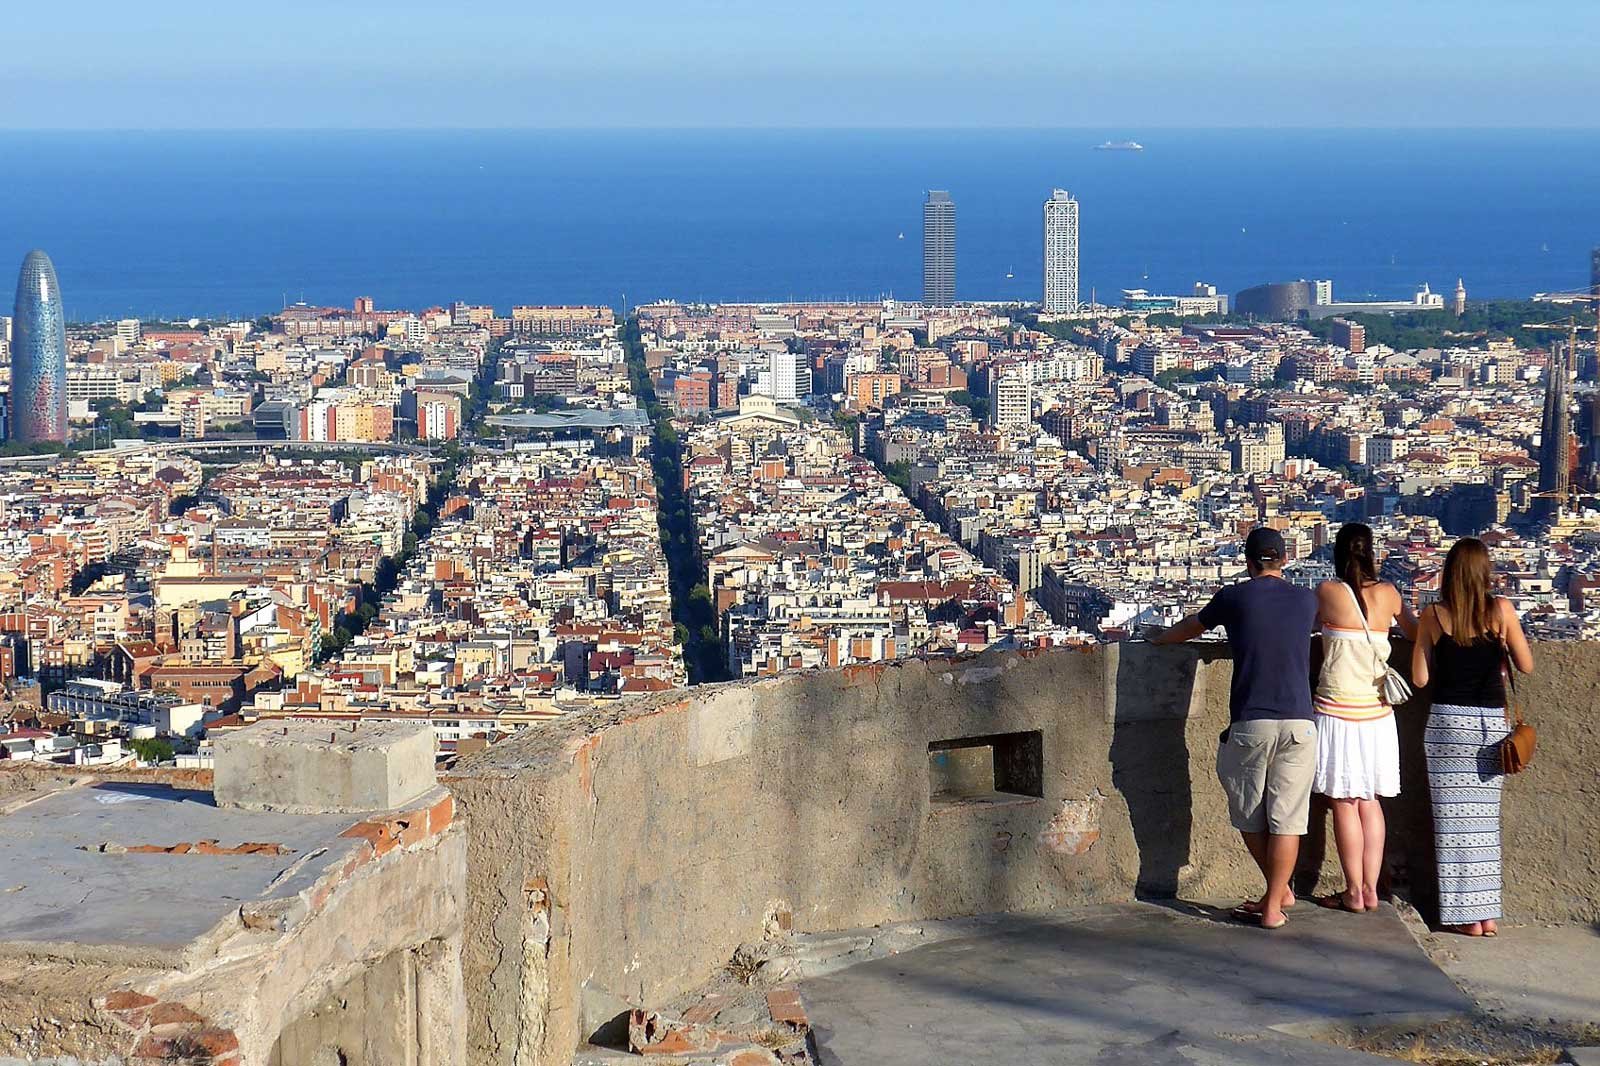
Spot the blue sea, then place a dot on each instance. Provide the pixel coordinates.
(218, 223)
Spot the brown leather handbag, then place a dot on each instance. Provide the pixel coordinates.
(1516, 750)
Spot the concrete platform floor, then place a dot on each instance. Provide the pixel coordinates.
(60, 892)
(1131, 985)
(1542, 973)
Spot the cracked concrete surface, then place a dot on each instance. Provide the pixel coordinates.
(1123, 985)
(1542, 973)
(662, 827)
(150, 908)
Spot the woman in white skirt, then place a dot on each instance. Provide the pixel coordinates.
(1358, 749)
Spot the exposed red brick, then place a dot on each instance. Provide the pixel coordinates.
(215, 1041)
(707, 1009)
(786, 1009)
(158, 1048)
(864, 673)
(173, 1014)
(253, 848)
(413, 829)
(358, 858)
(674, 1042)
(752, 1058)
(379, 834)
(208, 847)
(126, 999)
(441, 814)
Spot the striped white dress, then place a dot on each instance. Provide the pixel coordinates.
(1358, 748)
(1464, 776)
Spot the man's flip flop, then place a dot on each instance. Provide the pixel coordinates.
(1337, 902)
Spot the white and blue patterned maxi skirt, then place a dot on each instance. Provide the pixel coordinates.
(1464, 777)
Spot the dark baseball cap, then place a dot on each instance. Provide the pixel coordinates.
(1264, 545)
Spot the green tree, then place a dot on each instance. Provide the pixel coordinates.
(150, 750)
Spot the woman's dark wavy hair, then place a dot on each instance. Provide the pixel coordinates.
(1353, 559)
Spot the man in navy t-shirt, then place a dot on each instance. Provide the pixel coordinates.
(1268, 756)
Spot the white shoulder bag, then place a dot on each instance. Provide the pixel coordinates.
(1396, 689)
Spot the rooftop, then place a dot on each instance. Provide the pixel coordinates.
(964, 860)
(93, 867)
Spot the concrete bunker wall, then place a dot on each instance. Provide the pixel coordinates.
(619, 858)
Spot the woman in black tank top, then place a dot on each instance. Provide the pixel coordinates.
(1465, 644)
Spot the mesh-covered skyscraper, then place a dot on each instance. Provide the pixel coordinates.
(38, 355)
(1060, 253)
(939, 249)
(1555, 431)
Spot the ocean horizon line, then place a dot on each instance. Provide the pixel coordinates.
(820, 128)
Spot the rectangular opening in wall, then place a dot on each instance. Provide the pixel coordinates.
(997, 768)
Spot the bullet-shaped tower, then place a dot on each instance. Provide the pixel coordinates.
(38, 355)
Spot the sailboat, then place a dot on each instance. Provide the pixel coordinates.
(1010, 273)
(901, 237)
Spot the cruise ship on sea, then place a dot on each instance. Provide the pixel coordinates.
(1119, 146)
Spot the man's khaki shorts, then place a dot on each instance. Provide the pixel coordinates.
(1266, 768)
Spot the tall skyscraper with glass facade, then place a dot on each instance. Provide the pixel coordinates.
(939, 249)
(1060, 253)
(38, 355)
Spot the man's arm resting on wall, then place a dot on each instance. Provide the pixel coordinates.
(1187, 629)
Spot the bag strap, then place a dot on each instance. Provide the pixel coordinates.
(1513, 710)
(1383, 666)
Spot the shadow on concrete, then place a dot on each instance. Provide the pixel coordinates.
(1150, 760)
(1112, 984)
(162, 793)
(1206, 912)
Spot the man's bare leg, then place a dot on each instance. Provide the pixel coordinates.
(1257, 845)
(1282, 851)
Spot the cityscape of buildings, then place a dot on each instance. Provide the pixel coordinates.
(480, 519)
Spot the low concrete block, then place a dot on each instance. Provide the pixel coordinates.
(310, 767)
(1582, 1056)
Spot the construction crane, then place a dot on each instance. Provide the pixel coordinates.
(1591, 296)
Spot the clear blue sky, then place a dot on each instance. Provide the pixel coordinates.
(497, 63)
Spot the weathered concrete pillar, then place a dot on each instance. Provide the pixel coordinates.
(315, 767)
(441, 1003)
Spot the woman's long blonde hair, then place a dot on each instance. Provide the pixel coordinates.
(1466, 590)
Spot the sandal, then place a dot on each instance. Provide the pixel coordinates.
(1250, 909)
(1462, 930)
(1337, 902)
